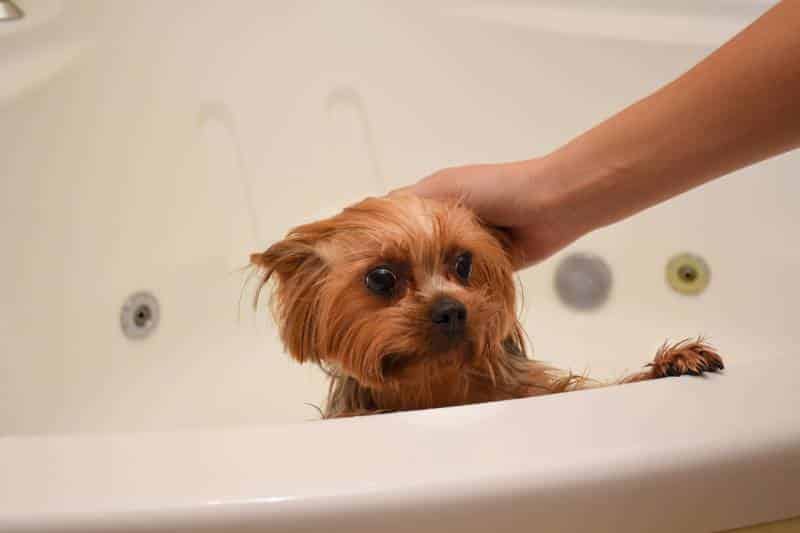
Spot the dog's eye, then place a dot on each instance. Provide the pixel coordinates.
(464, 266)
(381, 281)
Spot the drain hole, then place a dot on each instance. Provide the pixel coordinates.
(142, 316)
(583, 281)
(139, 315)
(688, 274)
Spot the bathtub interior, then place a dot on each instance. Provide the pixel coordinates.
(154, 145)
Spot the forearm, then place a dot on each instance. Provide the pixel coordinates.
(738, 106)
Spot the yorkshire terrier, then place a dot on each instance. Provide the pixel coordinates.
(409, 303)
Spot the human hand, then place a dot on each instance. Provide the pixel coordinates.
(517, 197)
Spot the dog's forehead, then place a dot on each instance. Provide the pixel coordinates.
(426, 216)
(405, 228)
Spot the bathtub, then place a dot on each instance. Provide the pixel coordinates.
(149, 147)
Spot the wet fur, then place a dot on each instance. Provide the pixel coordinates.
(381, 354)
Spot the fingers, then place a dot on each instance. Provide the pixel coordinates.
(493, 191)
(408, 189)
(443, 184)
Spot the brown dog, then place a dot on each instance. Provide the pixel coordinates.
(409, 303)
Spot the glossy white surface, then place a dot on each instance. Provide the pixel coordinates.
(687, 454)
(152, 145)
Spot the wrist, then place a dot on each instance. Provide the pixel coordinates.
(565, 193)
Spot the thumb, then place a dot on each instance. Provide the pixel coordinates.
(447, 184)
(428, 187)
(408, 189)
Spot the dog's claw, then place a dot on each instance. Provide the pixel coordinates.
(686, 358)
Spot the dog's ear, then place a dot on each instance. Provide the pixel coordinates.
(502, 278)
(284, 258)
(503, 237)
(298, 271)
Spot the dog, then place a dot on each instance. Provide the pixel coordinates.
(409, 303)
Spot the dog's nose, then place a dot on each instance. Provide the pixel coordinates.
(450, 316)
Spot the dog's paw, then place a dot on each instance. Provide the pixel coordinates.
(686, 357)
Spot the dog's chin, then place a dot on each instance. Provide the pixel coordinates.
(404, 369)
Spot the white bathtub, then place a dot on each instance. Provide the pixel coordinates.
(154, 145)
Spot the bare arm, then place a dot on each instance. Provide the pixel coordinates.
(738, 106)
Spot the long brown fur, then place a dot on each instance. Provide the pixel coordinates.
(381, 353)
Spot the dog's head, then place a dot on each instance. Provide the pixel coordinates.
(393, 290)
